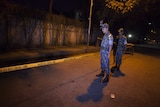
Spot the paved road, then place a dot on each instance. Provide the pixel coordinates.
(73, 84)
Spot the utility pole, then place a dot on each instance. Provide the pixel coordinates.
(50, 6)
(89, 27)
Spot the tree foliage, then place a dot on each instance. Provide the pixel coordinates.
(122, 6)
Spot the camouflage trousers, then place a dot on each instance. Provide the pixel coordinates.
(104, 60)
(118, 57)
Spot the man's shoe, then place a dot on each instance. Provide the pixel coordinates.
(106, 79)
(118, 69)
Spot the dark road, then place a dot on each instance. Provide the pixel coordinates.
(73, 84)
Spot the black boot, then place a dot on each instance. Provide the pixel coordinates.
(118, 68)
(100, 74)
(106, 79)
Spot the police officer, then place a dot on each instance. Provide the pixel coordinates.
(106, 46)
(120, 48)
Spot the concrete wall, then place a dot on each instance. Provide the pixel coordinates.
(30, 33)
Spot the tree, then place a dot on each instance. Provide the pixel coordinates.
(122, 6)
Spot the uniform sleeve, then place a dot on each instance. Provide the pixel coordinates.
(110, 40)
(125, 41)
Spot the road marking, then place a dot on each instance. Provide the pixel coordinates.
(43, 63)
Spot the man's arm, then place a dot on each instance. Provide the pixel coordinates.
(125, 48)
(110, 48)
(125, 45)
(110, 44)
(101, 23)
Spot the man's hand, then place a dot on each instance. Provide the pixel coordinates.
(110, 48)
(101, 22)
(109, 55)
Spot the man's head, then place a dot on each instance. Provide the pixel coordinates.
(121, 31)
(105, 28)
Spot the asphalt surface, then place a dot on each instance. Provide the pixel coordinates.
(73, 84)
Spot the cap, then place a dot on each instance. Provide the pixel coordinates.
(121, 30)
(105, 25)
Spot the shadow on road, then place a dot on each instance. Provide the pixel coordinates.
(94, 93)
(118, 73)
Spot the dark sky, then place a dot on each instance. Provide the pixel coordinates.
(58, 5)
(68, 5)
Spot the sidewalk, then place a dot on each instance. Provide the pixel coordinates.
(34, 55)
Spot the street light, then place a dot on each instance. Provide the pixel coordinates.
(129, 36)
(89, 26)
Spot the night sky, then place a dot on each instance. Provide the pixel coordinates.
(58, 5)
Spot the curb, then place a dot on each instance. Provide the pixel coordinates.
(43, 63)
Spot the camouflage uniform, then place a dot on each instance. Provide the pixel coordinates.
(122, 41)
(104, 51)
(106, 46)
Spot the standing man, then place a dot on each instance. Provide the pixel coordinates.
(106, 47)
(120, 48)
